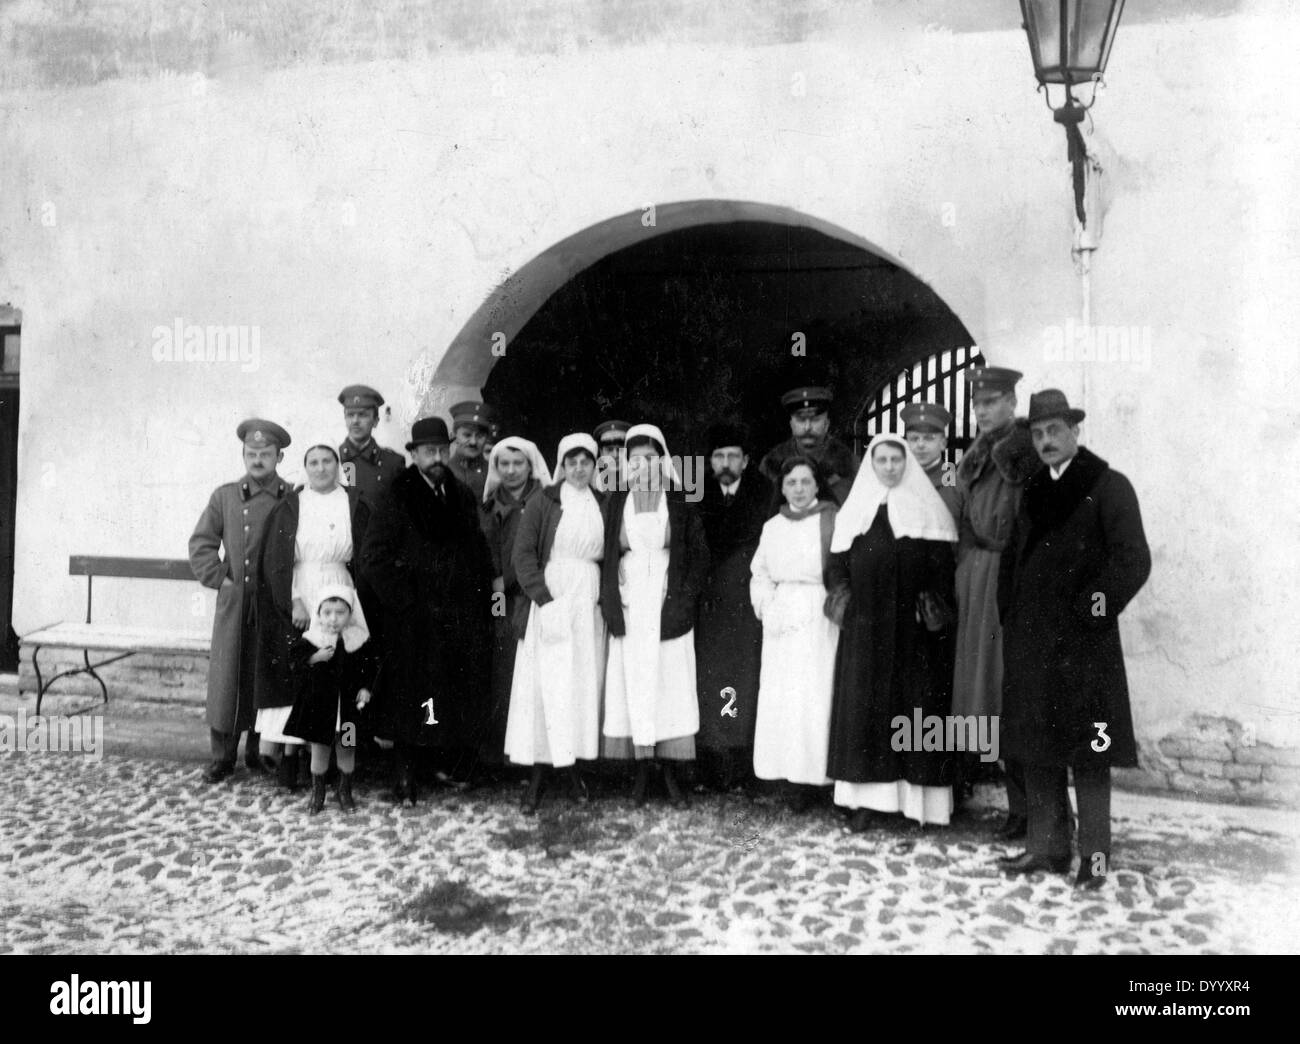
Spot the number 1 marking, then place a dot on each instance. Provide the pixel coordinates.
(428, 705)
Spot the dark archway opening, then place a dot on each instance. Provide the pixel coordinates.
(705, 324)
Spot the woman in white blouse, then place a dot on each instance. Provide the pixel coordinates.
(787, 589)
(311, 539)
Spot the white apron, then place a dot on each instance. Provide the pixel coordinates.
(649, 685)
(559, 666)
(321, 553)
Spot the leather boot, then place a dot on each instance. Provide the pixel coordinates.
(533, 795)
(642, 784)
(577, 788)
(317, 794)
(343, 792)
(253, 761)
(676, 796)
(286, 773)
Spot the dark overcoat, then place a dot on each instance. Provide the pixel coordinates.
(1078, 555)
(325, 694)
(888, 663)
(688, 565)
(428, 564)
(728, 636)
(276, 632)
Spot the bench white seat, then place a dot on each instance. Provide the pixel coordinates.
(111, 637)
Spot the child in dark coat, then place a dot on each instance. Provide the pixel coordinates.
(333, 667)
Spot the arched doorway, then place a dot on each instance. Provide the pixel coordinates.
(708, 314)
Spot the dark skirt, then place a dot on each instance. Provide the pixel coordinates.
(888, 664)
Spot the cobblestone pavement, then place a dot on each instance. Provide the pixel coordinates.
(139, 856)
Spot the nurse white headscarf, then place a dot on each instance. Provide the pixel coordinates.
(579, 440)
(915, 508)
(529, 449)
(354, 635)
(671, 480)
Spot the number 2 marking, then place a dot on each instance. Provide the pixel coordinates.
(729, 711)
(1102, 742)
(428, 705)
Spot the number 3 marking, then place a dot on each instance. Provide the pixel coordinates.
(1102, 742)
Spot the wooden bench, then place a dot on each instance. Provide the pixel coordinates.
(123, 641)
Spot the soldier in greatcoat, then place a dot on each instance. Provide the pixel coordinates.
(990, 480)
(234, 521)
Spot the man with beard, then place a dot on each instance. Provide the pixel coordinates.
(427, 561)
(1077, 557)
(810, 426)
(728, 637)
(364, 463)
(236, 518)
(925, 426)
(990, 480)
(471, 423)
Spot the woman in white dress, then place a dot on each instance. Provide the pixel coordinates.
(797, 678)
(656, 560)
(311, 539)
(559, 669)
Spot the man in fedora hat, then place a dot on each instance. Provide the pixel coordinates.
(925, 426)
(990, 478)
(366, 465)
(1077, 556)
(810, 426)
(427, 561)
(235, 519)
(471, 424)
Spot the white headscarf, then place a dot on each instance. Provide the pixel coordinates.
(354, 635)
(669, 470)
(915, 508)
(529, 449)
(578, 440)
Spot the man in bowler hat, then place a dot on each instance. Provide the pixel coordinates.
(1076, 558)
(427, 561)
(235, 520)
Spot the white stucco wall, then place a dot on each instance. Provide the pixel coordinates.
(359, 215)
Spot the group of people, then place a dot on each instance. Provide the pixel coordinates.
(479, 603)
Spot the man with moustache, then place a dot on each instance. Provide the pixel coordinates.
(990, 480)
(810, 426)
(471, 424)
(728, 637)
(364, 463)
(235, 519)
(1076, 558)
(925, 426)
(427, 561)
